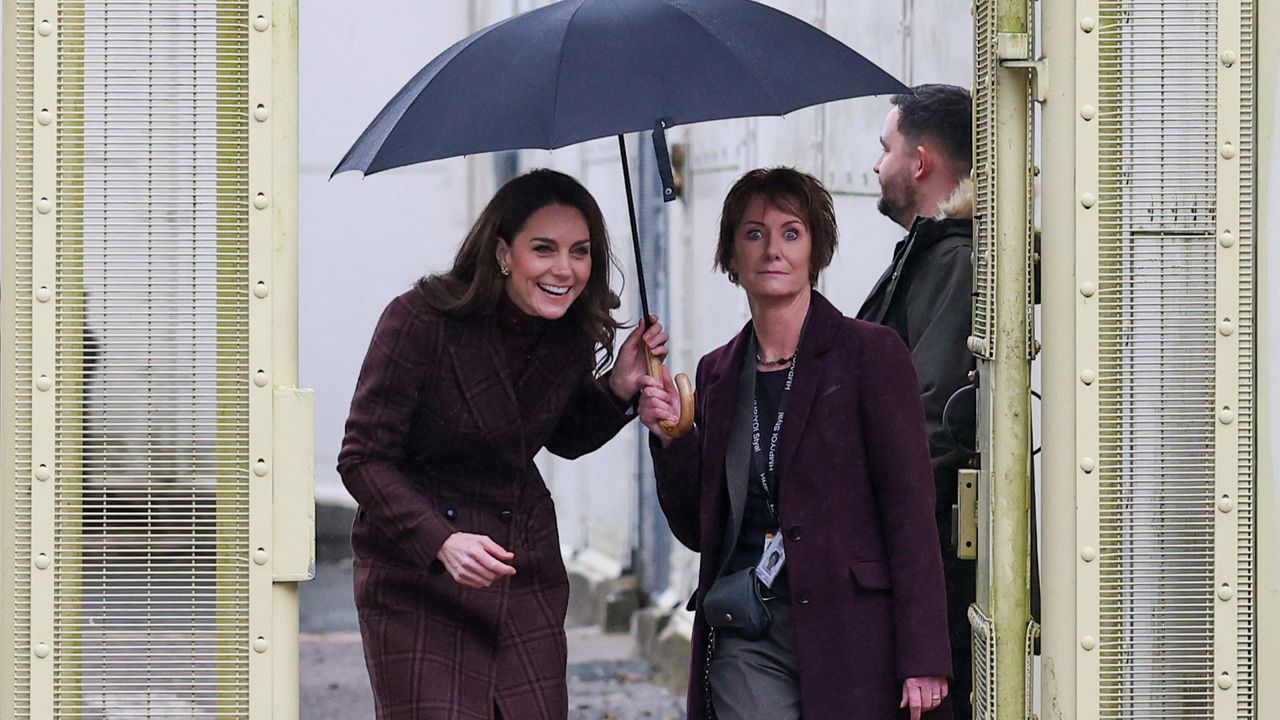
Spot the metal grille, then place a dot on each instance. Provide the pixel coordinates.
(984, 665)
(986, 66)
(1246, 638)
(151, 516)
(1157, 214)
(22, 116)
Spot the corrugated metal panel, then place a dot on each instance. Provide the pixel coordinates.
(151, 516)
(1246, 547)
(22, 115)
(986, 65)
(1158, 218)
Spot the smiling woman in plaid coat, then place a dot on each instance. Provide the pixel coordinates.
(459, 583)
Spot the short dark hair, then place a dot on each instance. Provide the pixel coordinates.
(787, 189)
(473, 285)
(943, 114)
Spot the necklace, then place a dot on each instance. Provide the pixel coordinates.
(779, 361)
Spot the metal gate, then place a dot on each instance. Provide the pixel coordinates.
(152, 438)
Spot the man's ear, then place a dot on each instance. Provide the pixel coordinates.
(926, 163)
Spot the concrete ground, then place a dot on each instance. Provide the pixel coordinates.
(606, 680)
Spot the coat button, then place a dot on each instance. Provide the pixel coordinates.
(728, 617)
(803, 598)
(795, 533)
(505, 516)
(451, 514)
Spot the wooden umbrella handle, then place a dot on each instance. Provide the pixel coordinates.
(685, 388)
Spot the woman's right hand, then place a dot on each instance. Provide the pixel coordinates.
(475, 560)
(659, 402)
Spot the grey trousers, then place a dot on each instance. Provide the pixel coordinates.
(754, 679)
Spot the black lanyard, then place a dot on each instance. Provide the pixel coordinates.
(769, 469)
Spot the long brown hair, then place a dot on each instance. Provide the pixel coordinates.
(473, 285)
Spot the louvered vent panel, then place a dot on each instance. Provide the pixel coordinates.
(1246, 638)
(1157, 213)
(22, 115)
(984, 176)
(152, 340)
(984, 664)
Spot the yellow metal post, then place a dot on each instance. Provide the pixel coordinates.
(1059, 380)
(1002, 340)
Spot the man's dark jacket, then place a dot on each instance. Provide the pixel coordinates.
(926, 295)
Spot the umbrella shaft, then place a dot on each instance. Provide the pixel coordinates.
(635, 231)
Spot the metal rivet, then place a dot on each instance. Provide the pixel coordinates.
(44, 294)
(728, 617)
(260, 290)
(1088, 553)
(1226, 504)
(1088, 112)
(1225, 592)
(42, 562)
(1228, 150)
(45, 28)
(43, 473)
(261, 23)
(260, 556)
(260, 378)
(1226, 239)
(1225, 682)
(260, 201)
(1087, 464)
(260, 468)
(1228, 57)
(1088, 289)
(1088, 376)
(1088, 642)
(44, 206)
(43, 383)
(44, 117)
(260, 113)
(1225, 416)
(1226, 327)
(42, 650)
(1087, 24)
(260, 645)
(1088, 200)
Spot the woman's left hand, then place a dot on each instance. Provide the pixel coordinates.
(922, 694)
(631, 366)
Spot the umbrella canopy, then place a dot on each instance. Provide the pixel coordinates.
(579, 70)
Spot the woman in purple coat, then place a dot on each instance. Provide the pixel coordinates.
(806, 487)
(459, 583)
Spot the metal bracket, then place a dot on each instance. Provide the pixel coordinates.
(1013, 50)
(966, 520)
(1039, 70)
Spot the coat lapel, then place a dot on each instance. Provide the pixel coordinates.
(824, 318)
(726, 450)
(484, 379)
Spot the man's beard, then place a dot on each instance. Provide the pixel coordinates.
(896, 201)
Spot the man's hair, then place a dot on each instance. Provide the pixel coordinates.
(942, 114)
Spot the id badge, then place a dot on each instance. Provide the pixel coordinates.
(772, 559)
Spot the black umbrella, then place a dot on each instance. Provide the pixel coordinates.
(579, 70)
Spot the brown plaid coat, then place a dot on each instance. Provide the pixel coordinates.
(440, 439)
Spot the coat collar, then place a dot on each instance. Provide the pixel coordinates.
(498, 402)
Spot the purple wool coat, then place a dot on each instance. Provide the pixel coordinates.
(856, 504)
(441, 439)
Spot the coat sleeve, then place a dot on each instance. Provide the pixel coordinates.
(939, 309)
(898, 460)
(677, 469)
(402, 352)
(591, 419)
